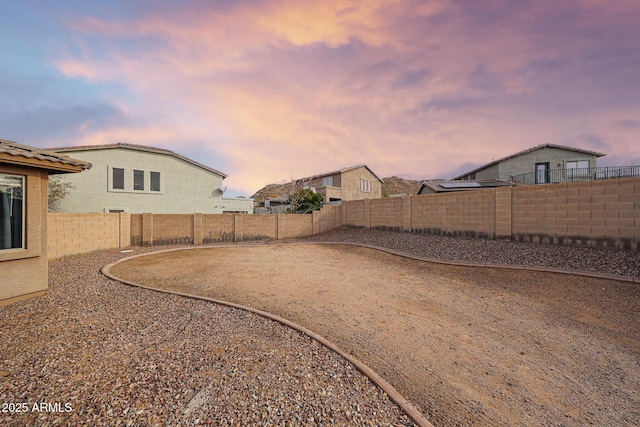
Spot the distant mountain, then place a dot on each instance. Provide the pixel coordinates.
(395, 185)
(390, 186)
(270, 190)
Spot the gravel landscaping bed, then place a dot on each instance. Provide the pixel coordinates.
(462, 249)
(95, 352)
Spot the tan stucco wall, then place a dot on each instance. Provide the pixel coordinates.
(185, 188)
(24, 271)
(351, 185)
(238, 205)
(491, 172)
(526, 163)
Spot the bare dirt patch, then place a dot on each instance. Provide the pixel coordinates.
(465, 345)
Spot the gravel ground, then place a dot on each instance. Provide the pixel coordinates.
(465, 345)
(491, 251)
(116, 355)
(100, 353)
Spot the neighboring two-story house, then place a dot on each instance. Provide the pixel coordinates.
(352, 183)
(542, 164)
(138, 179)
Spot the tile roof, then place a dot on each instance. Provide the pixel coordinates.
(346, 169)
(137, 147)
(12, 152)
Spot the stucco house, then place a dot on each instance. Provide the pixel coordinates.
(141, 179)
(351, 183)
(24, 175)
(542, 164)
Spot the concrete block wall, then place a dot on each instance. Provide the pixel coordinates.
(292, 226)
(602, 213)
(597, 214)
(155, 229)
(217, 228)
(327, 218)
(255, 227)
(353, 213)
(465, 213)
(135, 228)
(74, 233)
(173, 229)
(386, 214)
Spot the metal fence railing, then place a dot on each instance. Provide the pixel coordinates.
(551, 176)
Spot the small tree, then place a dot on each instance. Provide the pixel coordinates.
(59, 188)
(308, 200)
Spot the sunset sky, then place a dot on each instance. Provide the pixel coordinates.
(269, 90)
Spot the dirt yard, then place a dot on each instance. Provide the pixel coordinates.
(480, 346)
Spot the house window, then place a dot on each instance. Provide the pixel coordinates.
(11, 211)
(117, 179)
(138, 180)
(327, 181)
(365, 185)
(155, 181)
(577, 168)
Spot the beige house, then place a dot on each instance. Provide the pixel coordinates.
(141, 179)
(24, 174)
(352, 183)
(539, 165)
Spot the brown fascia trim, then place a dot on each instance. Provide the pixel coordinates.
(54, 167)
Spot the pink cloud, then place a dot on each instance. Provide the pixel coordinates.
(413, 88)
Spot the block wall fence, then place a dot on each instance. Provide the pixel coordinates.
(600, 214)
(74, 233)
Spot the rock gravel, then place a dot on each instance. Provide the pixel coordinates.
(461, 249)
(95, 352)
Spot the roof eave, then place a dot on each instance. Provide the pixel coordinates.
(138, 148)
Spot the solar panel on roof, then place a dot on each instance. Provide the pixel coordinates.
(460, 184)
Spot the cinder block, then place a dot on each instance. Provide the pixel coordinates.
(592, 222)
(605, 198)
(605, 231)
(579, 230)
(591, 206)
(617, 222)
(632, 197)
(604, 214)
(556, 214)
(579, 199)
(556, 200)
(622, 188)
(629, 214)
(630, 232)
(619, 206)
(568, 221)
(554, 229)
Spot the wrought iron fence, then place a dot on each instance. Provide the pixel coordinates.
(551, 176)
